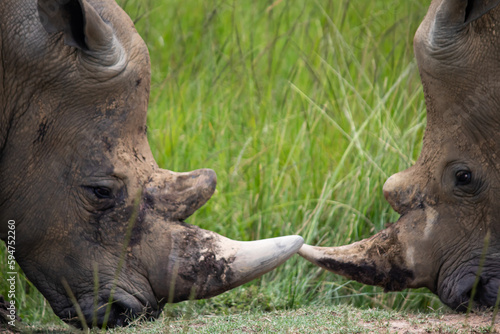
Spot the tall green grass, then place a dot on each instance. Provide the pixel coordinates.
(303, 108)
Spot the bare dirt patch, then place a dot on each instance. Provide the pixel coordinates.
(447, 323)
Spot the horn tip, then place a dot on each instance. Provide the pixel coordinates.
(311, 253)
(294, 242)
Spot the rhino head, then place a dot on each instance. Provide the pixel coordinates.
(448, 235)
(99, 226)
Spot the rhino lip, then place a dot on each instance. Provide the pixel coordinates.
(125, 307)
(458, 297)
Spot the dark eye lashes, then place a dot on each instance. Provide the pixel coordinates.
(102, 192)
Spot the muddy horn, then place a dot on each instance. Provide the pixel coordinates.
(380, 260)
(201, 264)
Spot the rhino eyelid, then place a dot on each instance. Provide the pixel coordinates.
(101, 192)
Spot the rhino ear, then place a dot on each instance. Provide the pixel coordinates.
(464, 11)
(83, 28)
(477, 8)
(67, 17)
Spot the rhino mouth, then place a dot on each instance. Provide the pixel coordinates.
(463, 292)
(123, 308)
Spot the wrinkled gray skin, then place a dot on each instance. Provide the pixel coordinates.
(77, 172)
(450, 200)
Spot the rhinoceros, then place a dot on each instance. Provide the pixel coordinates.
(99, 227)
(447, 238)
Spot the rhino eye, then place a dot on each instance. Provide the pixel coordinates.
(463, 177)
(102, 192)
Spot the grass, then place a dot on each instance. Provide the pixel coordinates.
(303, 108)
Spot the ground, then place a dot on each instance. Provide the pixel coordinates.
(333, 319)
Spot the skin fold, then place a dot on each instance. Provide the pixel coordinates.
(448, 233)
(100, 228)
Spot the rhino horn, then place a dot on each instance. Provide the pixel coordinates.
(198, 263)
(202, 264)
(84, 29)
(378, 260)
(179, 195)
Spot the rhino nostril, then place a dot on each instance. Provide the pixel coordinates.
(210, 176)
(390, 189)
(401, 192)
(202, 182)
(387, 194)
